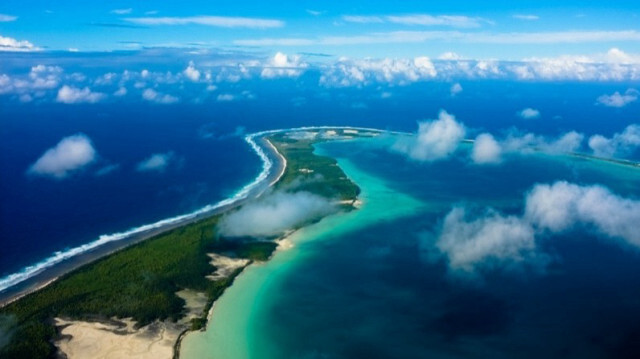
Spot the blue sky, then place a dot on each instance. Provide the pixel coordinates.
(486, 30)
(198, 51)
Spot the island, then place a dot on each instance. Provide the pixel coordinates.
(139, 300)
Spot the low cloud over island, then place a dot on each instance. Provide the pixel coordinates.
(274, 214)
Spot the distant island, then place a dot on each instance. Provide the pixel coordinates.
(142, 298)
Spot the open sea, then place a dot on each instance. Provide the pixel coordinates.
(366, 285)
(355, 285)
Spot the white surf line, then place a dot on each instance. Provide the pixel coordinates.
(60, 256)
(244, 192)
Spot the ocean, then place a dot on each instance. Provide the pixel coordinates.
(366, 283)
(407, 301)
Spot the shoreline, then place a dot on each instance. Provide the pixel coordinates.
(37, 276)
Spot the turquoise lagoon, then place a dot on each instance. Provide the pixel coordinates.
(364, 284)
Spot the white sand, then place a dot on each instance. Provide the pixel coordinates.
(357, 203)
(195, 302)
(225, 266)
(117, 340)
(120, 339)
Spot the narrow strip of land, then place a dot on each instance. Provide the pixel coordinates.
(151, 285)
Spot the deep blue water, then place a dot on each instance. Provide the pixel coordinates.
(374, 293)
(41, 215)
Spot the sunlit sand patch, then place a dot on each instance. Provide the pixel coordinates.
(117, 339)
(225, 266)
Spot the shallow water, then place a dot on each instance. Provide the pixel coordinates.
(363, 284)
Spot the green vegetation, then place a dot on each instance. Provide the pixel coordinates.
(140, 281)
(309, 172)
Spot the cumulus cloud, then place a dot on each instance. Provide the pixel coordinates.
(69, 155)
(620, 144)
(436, 139)
(274, 214)
(529, 113)
(191, 72)
(455, 89)
(348, 72)
(71, 95)
(121, 91)
(281, 65)
(156, 162)
(617, 99)
(486, 149)
(568, 142)
(152, 95)
(11, 44)
(562, 205)
(491, 240)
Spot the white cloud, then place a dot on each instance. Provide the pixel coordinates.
(492, 240)
(39, 78)
(71, 95)
(617, 56)
(418, 20)
(435, 140)
(455, 89)
(281, 65)
(217, 21)
(314, 12)
(69, 155)
(44, 77)
(152, 95)
(619, 100)
(274, 214)
(121, 91)
(7, 18)
(528, 17)
(191, 72)
(11, 44)
(363, 19)
(568, 142)
(620, 144)
(225, 97)
(440, 20)
(505, 38)
(6, 84)
(486, 149)
(450, 56)
(156, 162)
(529, 113)
(348, 72)
(122, 11)
(562, 206)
